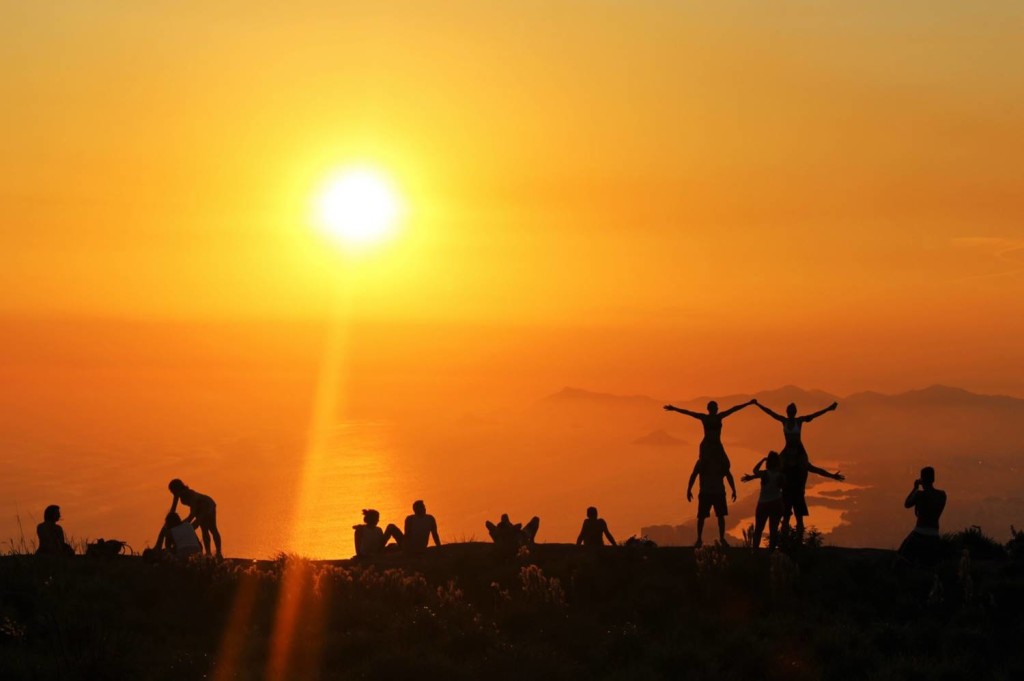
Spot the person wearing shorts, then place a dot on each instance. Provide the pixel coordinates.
(712, 469)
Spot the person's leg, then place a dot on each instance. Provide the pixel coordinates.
(759, 520)
(700, 531)
(392, 532)
(206, 538)
(211, 524)
(721, 510)
(721, 530)
(773, 530)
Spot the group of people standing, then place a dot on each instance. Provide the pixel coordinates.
(783, 475)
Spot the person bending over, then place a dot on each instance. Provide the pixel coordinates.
(202, 512)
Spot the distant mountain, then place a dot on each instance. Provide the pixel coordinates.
(579, 396)
(658, 438)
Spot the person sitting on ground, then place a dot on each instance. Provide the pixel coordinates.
(419, 528)
(923, 545)
(202, 512)
(509, 534)
(594, 530)
(51, 535)
(178, 537)
(370, 540)
(769, 504)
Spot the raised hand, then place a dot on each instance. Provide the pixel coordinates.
(669, 407)
(833, 406)
(839, 476)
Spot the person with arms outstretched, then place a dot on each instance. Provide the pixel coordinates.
(202, 512)
(923, 544)
(594, 531)
(769, 501)
(796, 465)
(712, 467)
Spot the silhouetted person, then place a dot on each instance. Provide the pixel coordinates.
(419, 528)
(51, 535)
(178, 537)
(769, 502)
(509, 534)
(795, 463)
(712, 422)
(202, 512)
(370, 540)
(712, 466)
(594, 530)
(923, 543)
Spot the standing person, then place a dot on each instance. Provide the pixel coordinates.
(712, 466)
(420, 527)
(594, 530)
(923, 543)
(202, 512)
(769, 502)
(796, 465)
(51, 535)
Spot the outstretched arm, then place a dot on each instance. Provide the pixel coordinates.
(811, 417)
(756, 475)
(811, 468)
(766, 410)
(693, 479)
(687, 412)
(733, 410)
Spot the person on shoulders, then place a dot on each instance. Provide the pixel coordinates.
(923, 544)
(594, 531)
(420, 527)
(51, 535)
(796, 465)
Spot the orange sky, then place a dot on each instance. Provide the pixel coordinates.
(649, 194)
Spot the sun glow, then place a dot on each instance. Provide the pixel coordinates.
(358, 207)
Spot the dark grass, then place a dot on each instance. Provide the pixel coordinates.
(466, 611)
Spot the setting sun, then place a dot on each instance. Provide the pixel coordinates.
(358, 206)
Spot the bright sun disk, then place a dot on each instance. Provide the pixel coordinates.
(358, 207)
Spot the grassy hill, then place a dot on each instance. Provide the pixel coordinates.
(467, 611)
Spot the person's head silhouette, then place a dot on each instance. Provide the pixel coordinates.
(772, 461)
(418, 507)
(176, 486)
(172, 519)
(712, 407)
(371, 517)
(592, 512)
(927, 476)
(52, 513)
(791, 410)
